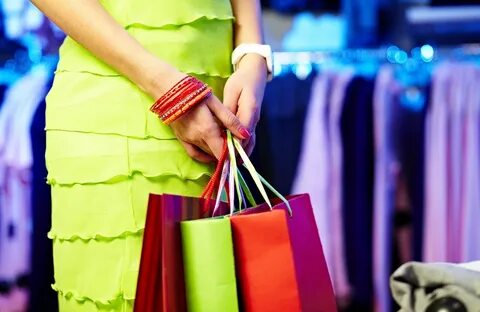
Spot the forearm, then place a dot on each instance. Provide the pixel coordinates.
(248, 21)
(89, 24)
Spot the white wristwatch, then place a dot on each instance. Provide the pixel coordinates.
(260, 49)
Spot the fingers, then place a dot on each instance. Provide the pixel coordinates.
(215, 144)
(248, 110)
(231, 94)
(196, 153)
(228, 119)
(250, 145)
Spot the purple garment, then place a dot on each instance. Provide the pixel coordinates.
(314, 159)
(16, 160)
(452, 166)
(455, 157)
(470, 247)
(319, 172)
(384, 188)
(340, 279)
(435, 230)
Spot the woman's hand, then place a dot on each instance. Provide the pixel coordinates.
(200, 130)
(243, 94)
(200, 133)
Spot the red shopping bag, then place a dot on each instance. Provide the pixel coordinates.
(264, 262)
(312, 280)
(161, 284)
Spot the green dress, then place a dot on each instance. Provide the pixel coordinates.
(106, 151)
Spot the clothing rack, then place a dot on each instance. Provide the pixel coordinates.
(392, 54)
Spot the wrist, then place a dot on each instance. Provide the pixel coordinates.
(158, 78)
(254, 53)
(181, 98)
(254, 62)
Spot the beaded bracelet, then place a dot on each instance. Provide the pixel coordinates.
(176, 91)
(181, 98)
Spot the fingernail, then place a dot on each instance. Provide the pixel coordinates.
(245, 133)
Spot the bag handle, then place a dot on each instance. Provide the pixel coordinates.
(227, 168)
(223, 180)
(230, 170)
(258, 179)
(246, 189)
(251, 169)
(215, 179)
(234, 180)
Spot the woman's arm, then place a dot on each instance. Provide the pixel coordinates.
(244, 90)
(248, 25)
(89, 24)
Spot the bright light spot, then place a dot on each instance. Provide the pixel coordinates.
(303, 70)
(427, 52)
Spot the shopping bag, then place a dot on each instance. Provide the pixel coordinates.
(254, 232)
(161, 283)
(312, 278)
(264, 262)
(209, 266)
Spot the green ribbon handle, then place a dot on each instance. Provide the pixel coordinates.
(246, 190)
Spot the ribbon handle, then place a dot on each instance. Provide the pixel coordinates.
(214, 181)
(227, 169)
(258, 179)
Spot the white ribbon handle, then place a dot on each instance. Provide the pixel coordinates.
(233, 173)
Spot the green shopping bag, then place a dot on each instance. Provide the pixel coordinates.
(209, 265)
(207, 244)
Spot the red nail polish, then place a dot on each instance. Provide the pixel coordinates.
(245, 133)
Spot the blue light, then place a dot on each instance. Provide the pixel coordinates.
(303, 70)
(391, 51)
(401, 57)
(427, 52)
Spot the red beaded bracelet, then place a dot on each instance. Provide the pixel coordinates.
(187, 105)
(178, 91)
(182, 97)
(178, 86)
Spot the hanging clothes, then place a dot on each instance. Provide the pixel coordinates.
(42, 296)
(408, 127)
(452, 165)
(16, 159)
(283, 114)
(399, 118)
(357, 182)
(384, 188)
(320, 171)
(313, 169)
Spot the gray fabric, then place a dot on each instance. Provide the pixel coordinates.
(415, 285)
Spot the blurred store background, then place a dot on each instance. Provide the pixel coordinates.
(374, 111)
